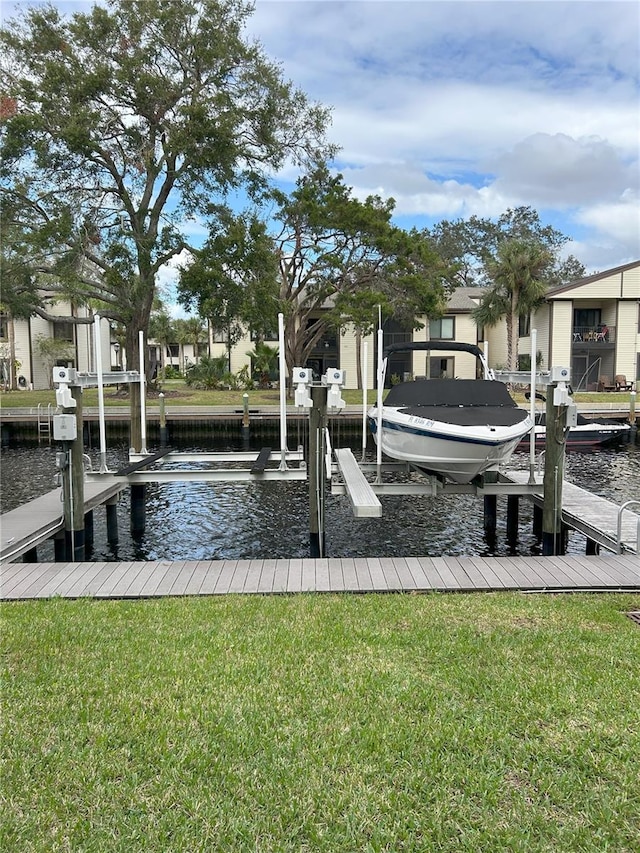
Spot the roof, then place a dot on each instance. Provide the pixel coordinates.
(553, 291)
(463, 300)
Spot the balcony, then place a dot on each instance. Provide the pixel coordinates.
(594, 335)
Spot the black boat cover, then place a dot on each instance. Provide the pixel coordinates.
(466, 402)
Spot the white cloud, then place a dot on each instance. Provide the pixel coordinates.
(616, 223)
(557, 170)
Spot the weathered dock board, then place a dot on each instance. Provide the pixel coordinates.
(33, 523)
(333, 574)
(592, 515)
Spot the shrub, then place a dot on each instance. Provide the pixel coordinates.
(209, 373)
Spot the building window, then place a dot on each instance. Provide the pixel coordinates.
(442, 329)
(587, 318)
(267, 335)
(4, 327)
(219, 336)
(63, 331)
(441, 368)
(524, 326)
(173, 350)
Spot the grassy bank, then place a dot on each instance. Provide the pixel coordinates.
(177, 393)
(322, 723)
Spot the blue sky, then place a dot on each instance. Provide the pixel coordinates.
(460, 108)
(457, 108)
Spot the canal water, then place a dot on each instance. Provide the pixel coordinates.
(209, 521)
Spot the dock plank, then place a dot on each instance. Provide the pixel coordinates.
(252, 571)
(106, 570)
(148, 579)
(110, 584)
(473, 573)
(17, 575)
(336, 578)
(294, 579)
(267, 575)
(194, 583)
(35, 574)
(433, 576)
(281, 576)
(361, 566)
(390, 572)
(182, 581)
(404, 573)
(225, 579)
(447, 577)
(420, 579)
(378, 579)
(350, 575)
(207, 573)
(239, 576)
(491, 577)
(323, 583)
(308, 583)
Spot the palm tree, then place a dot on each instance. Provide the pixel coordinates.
(263, 362)
(182, 337)
(518, 273)
(196, 334)
(161, 329)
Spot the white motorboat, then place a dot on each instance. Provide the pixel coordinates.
(455, 428)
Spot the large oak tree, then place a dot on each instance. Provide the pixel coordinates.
(336, 259)
(120, 124)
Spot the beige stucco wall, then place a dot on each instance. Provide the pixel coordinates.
(561, 337)
(627, 338)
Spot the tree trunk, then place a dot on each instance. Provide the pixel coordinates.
(512, 332)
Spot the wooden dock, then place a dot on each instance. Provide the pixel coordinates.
(594, 516)
(33, 523)
(354, 575)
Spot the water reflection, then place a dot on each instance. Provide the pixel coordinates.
(203, 521)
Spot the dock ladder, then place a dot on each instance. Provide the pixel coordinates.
(44, 421)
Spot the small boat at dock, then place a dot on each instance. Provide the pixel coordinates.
(588, 434)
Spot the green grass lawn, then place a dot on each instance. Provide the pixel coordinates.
(493, 722)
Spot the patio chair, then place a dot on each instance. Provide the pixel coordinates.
(622, 384)
(605, 384)
(601, 335)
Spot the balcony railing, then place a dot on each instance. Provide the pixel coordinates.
(601, 334)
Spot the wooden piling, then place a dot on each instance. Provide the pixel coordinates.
(513, 509)
(112, 521)
(138, 508)
(552, 535)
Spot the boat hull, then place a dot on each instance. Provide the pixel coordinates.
(456, 453)
(590, 436)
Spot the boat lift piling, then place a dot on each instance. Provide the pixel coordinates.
(164, 432)
(317, 482)
(560, 415)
